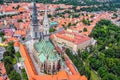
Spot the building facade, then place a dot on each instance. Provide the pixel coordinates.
(72, 40)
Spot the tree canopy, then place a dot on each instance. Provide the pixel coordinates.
(9, 61)
(104, 58)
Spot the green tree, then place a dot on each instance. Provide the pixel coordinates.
(95, 63)
(109, 76)
(7, 59)
(86, 21)
(115, 15)
(1, 34)
(18, 7)
(109, 52)
(24, 75)
(102, 71)
(19, 20)
(52, 18)
(18, 55)
(85, 55)
(85, 29)
(69, 24)
(68, 51)
(8, 68)
(10, 48)
(1, 1)
(116, 69)
(110, 62)
(14, 75)
(51, 29)
(3, 38)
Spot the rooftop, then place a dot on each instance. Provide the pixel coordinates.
(45, 48)
(72, 37)
(53, 23)
(34, 76)
(3, 71)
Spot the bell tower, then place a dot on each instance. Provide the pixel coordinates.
(34, 28)
(46, 25)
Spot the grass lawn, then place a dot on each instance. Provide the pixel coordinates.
(94, 76)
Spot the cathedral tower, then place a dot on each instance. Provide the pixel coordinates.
(34, 28)
(46, 25)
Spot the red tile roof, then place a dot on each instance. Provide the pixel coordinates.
(2, 71)
(21, 9)
(16, 44)
(34, 76)
(9, 9)
(20, 32)
(77, 38)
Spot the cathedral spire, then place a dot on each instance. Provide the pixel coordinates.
(34, 28)
(45, 16)
(46, 23)
(34, 14)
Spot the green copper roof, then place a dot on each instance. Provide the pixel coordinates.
(53, 23)
(46, 49)
(52, 56)
(42, 57)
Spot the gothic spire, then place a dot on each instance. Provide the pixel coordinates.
(34, 14)
(34, 28)
(45, 21)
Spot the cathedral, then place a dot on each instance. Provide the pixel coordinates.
(43, 51)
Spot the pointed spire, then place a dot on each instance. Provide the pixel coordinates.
(46, 23)
(35, 28)
(45, 16)
(34, 14)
